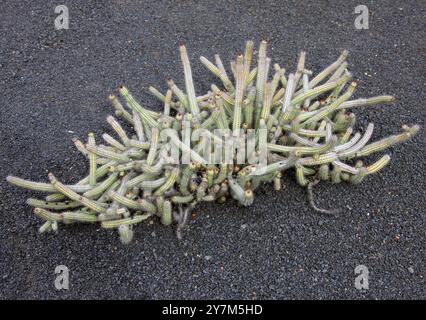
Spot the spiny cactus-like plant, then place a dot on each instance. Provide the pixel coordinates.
(294, 122)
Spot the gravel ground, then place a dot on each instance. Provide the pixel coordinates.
(54, 87)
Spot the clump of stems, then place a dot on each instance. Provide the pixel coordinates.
(306, 120)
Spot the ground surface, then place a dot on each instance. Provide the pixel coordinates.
(54, 87)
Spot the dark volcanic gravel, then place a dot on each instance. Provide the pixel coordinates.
(54, 87)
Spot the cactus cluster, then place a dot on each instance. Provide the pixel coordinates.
(296, 122)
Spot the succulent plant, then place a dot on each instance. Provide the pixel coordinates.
(166, 166)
